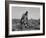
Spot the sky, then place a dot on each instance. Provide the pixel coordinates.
(33, 12)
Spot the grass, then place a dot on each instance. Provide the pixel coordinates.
(32, 25)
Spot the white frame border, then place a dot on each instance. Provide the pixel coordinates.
(25, 32)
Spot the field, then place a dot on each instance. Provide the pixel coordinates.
(33, 25)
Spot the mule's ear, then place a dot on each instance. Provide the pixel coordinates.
(26, 13)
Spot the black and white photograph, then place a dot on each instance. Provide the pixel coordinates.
(25, 18)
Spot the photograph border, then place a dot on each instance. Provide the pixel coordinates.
(7, 18)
